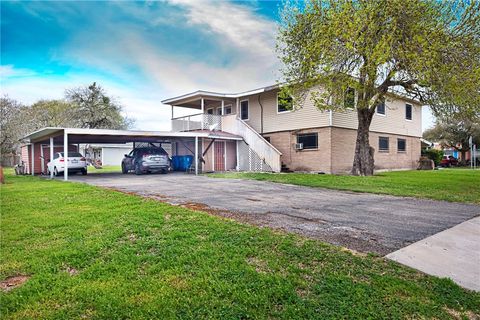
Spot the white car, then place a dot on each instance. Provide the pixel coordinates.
(76, 163)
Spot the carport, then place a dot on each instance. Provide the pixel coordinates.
(197, 143)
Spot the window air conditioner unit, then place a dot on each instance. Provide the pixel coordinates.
(298, 146)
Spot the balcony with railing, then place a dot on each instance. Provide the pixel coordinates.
(199, 121)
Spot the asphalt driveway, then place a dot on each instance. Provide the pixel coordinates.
(359, 221)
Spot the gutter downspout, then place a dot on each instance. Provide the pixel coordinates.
(261, 113)
(330, 122)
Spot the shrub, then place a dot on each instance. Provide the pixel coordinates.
(433, 154)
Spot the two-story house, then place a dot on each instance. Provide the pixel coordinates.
(302, 139)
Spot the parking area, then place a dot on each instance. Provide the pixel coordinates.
(359, 221)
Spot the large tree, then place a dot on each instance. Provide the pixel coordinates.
(454, 132)
(427, 50)
(85, 107)
(95, 109)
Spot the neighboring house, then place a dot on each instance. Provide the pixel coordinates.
(106, 154)
(305, 139)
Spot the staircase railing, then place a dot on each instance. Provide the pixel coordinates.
(266, 151)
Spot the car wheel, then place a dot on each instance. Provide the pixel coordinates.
(84, 171)
(55, 172)
(164, 171)
(124, 169)
(138, 169)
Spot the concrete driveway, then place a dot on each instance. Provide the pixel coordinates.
(359, 221)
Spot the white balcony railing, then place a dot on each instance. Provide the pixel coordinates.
(199, 121)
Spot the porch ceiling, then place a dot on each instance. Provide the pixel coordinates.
(196, 102)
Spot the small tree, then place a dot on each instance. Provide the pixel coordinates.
(428, 50)
(94, 109)
(50, 113)
(11, 125)
(455, 132)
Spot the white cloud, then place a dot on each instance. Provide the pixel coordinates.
(238, 24)
(9, 71)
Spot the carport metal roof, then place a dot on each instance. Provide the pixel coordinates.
(81, 135)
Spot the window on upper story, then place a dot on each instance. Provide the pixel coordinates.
(309, 140)
(349, 99)
(228, 109)
(219, 111)
(401, 145)
(209, 111)
(284, 102)
(408, 111)
(244, 110)
(381, 107)
(383, 144)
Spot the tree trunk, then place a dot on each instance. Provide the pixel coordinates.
(363, 162)
(463, 154)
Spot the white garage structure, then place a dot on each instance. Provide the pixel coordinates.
(107, 154)
(196, 143)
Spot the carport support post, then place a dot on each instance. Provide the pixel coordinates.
(51, 156)
(196, 155)
(223, 107)
(33, 159)
(65, 155)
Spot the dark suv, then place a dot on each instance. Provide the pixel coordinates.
(146, 159)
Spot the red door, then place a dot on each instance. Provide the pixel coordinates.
(219, 155)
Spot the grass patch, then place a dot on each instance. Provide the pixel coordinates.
(455, 185)
(98, 254)
(104, 169)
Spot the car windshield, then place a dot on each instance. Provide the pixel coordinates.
(73, 154)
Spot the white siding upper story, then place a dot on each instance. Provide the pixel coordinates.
(308, 116)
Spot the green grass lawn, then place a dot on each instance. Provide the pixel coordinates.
(457, 185)
(92, 253)
(104, 169)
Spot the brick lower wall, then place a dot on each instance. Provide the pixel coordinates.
(303, 160)
(336, 148)
(343, 150)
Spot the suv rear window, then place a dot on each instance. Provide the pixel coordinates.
(73, 154)
(143, 151)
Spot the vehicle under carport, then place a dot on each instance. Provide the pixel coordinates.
(196, 143)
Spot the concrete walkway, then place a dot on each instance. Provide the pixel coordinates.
(453, 253)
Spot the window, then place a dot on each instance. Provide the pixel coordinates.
(383, 143)
(349, 100)
(267, 138)
(219, 111)
(244, 110)
(209, 111)
(309, 140)
(56, 156)
(401, 145)
(408, 111)
(228, 109)
(284, 102)
(381, 107)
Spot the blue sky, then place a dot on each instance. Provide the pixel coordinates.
(140, 52)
